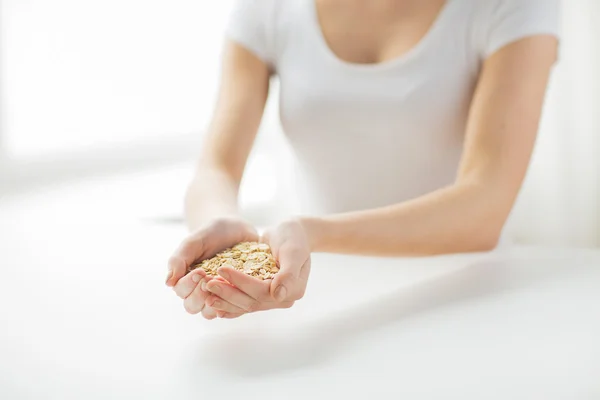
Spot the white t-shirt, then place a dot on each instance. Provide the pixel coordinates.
(370, 135)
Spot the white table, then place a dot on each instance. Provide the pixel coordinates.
(84, 315)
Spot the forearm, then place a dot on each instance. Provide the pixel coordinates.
(213, 193)
(460, 218)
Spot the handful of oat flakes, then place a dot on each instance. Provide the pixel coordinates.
(254, 259)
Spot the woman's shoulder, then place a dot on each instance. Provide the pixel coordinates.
(500, 22)
(260, 25)
(497, 11)
(251, 23)
(263, 10)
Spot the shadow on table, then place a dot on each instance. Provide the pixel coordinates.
(254, 354)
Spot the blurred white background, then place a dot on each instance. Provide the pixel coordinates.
(116, 87)
(103, 105)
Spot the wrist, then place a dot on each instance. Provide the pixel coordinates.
(198, 221)
(315, 230)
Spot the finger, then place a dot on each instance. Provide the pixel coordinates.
(223, 306)
(209, 313)
(176, 270)
(291, 258)
(253, 287)
(186, 285)
(229, 309)
(189, 252)
(303, 280)
(285, 304)
(232, 295)
(219, 278)
(225, 315)
(298, 286)
(286, 284)
(305, 271)
(194, 303)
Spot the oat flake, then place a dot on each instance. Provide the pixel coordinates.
(254, 259)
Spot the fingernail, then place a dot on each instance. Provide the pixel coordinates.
(216, 304)
(169, 275)
(196, 278)
(203, 286)
(280, 293)
(215, 289)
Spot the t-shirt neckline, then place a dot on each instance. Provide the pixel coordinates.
(391, 63)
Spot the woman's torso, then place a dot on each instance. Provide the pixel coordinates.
(369, 135)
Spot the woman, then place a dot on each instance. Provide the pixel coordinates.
(412, 123)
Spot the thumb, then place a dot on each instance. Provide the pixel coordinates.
(291, 258)
(186, 255)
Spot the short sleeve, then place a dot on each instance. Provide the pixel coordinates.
(511, 20)
(249, 25)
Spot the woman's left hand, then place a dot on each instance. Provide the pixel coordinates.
(242, 294)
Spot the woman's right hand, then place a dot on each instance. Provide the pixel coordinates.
(200, 245)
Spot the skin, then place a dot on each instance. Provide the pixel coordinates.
(467, 216)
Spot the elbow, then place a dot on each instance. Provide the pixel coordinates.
(481, 241)
(479, 245)
(481, 232)
(472, 244)
(476, 239)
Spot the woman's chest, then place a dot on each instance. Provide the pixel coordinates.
(426, 88)
(319, 96)
(373, 32)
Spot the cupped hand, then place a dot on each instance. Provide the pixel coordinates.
(202, 244)
(237, 293)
